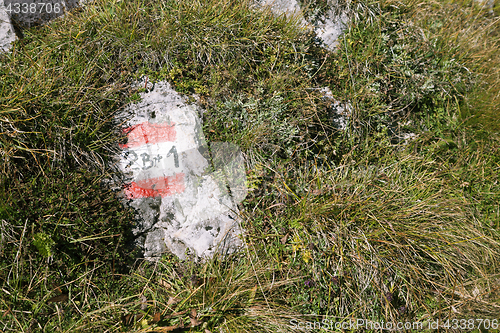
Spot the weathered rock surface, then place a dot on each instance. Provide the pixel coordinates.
(7, 33)
(328, 28)
(331, 29)
(184, 190)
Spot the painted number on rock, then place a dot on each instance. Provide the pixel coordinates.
(151, 154)
(145, 161)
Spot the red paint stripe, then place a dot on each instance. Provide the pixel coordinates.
(146, 132)
(153, 187)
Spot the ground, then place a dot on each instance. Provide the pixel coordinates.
(341, 225)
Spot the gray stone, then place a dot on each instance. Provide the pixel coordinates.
(339, 113)
(27, 13)
(184, 189)
(289, 7)
(286, 7)
(331, 28)
(7, 33)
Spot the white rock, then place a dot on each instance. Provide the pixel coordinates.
(332, 28)
(280, 6)
(287, 7)
(28, 13)
(184, 189)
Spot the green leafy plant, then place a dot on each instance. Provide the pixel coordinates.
(44, 244)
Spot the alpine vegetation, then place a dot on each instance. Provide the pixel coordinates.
(220, 166)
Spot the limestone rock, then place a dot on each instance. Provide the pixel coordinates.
(331, 28)
(287, 7)
(328, 28)
(279, 6)
(339, 113)
(184, 189)
(27, 13)
(7, 33)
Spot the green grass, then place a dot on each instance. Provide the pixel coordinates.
(339, 225)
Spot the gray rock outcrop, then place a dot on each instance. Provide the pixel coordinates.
(27, 13)
(329, 27)
(185, 190)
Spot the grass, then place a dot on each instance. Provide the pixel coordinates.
(340, 225)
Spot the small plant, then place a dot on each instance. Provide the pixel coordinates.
(44, 244)
(256, 123)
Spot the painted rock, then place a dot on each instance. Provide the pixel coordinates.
(184, 189)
